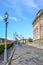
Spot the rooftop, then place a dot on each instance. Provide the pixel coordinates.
(37, 15)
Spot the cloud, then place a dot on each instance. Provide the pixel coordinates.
(30, 3)
(8, 38)
(13, 4)
(13, 18)
(1, 18)
(19, 6)
(40, 3)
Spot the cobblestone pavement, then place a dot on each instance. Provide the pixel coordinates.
(27, 55)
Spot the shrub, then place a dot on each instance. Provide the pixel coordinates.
(3, 46)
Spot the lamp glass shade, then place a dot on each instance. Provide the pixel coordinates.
(6, 15)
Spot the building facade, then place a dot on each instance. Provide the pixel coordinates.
(38, 27)
(2, 40)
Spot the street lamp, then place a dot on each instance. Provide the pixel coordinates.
(6, 24)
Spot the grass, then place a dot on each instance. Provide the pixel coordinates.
(2, 46)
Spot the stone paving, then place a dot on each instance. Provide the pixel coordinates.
(27, 55)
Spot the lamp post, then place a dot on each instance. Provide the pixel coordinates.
(6, 24)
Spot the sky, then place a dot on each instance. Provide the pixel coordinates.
(21, 15)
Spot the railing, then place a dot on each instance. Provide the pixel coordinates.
(11, 57)
(10, 52)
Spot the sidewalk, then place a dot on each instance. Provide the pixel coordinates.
(35, 45)
(27, 55)
(18, 53)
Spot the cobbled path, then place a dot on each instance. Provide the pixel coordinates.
(27, 55)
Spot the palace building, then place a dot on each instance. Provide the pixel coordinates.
(38, 27)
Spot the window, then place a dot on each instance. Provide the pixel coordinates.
(40, 21)
(41, 31)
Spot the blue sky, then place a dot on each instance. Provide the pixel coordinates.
(21, 15)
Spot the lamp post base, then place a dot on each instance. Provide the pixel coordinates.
(5, 56)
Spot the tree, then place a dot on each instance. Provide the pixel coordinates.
(30, 40)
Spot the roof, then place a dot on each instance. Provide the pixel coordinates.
(37, 15)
